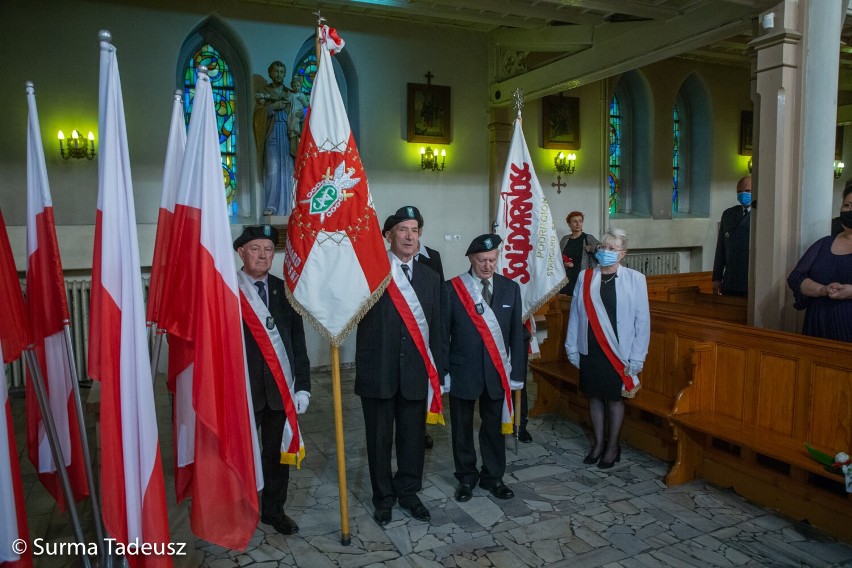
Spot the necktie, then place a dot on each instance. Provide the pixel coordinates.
(486, 291)
(261, 291)
(407, 271)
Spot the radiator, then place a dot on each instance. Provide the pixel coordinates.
(77, 293)
(653, 262)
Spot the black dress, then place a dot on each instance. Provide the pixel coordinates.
(598, 378)
(574, 249)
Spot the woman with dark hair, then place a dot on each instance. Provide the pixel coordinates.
(822, 281)
(609, 329)
(578, 250)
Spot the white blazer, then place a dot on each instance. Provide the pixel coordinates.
(633, 319)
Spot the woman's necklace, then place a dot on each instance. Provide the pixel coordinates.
(610, 279)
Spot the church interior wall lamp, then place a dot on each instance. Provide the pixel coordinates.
(432, 159)
(76, 147)
(565, 164)
(749, 166)
(838, 168)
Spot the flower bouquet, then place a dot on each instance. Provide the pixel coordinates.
(841, 464)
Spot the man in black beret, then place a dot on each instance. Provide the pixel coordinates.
(393, 374)
(486, 363)
(274, 339)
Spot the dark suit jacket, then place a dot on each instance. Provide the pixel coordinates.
(731, 262)
(433, 261)
(264, 389)
(470, 367)
(386, 359)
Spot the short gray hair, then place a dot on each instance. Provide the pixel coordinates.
(615, 237)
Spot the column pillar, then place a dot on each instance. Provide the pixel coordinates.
(499, 138)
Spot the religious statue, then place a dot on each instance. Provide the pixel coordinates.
(296, 116)
(272, 135)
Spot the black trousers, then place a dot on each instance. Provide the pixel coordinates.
(492, 445)
(276, 476)
(399, 421)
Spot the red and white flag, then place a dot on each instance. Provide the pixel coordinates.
(335, 264)
(201, 314)
(530, 254)
(133, 493)
(47, 309)
(14, 338)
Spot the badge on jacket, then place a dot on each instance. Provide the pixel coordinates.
(270, 323)
(480, 308)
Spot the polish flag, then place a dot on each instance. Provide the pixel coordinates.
(47, 309)
(201, 313)
(13, 340)
(333, 228)
(530, 254)
(180, 367)
(133, 493)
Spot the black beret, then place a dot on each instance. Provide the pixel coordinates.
(252, 232)
(484, 243)
(409, 212)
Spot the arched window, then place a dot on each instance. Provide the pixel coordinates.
(692, 152)
(222, 81)
(630, 147)
(614, 154)
(214, 44)
(675, 158)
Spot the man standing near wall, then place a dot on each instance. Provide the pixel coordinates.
(730, 267)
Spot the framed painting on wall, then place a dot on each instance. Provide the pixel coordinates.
(838, 144)
(429, 114)
(746, 119)
(560, 122)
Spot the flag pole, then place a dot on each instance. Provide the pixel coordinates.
(517, 424)
(56, 450)
(155, 356)
(84, 439)
(341, 457)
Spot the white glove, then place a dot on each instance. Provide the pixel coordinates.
(574, 359)
(516, 385)
(445, 388)
(302, 399)
(634, 367)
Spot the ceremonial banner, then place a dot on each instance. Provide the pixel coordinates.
(530, 254)
(47, 309)
(134, 497)
(201, 313)
(13, 340)
(335, 264)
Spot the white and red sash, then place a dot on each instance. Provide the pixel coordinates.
(262, 327)
(602, 327)
(408, 305)
(492, 336)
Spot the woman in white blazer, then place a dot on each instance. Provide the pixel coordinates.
(609, 328)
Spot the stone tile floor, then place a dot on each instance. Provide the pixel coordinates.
(564, 513)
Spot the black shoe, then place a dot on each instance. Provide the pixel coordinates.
(464, 492)
(501, 490)
(606, 465)
(428, 442)
(382, 516)
(592, 459)
(524, 436)
(284, 525)
(418, 510)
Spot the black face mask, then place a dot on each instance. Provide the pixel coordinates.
(846, 219)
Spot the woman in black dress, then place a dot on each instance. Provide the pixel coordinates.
(609, 329)
(578, 250)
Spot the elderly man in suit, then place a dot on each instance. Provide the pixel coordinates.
(486, 363)
(398, 370)
(730, 266)
(278, 366)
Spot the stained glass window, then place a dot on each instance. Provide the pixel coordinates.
(675, 158)
(614, 154)
(224, 97)
(307, 71)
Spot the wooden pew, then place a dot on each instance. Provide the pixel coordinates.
(754, 397)
(660, 284)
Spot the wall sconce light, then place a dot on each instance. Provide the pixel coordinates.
(838, 168)
(565, 164)
(78, 147)
(749, 166)
(430, 160)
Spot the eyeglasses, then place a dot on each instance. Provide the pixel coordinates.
(608, 247)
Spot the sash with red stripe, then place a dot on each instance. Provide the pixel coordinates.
(408, 306)
(255, 314)
(601, 335)
(492, 336)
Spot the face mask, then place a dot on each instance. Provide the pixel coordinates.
(607, 257)
(744, 198)
(846, 219)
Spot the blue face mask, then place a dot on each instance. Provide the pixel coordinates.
(607, 257)
(744, 198)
